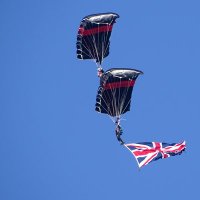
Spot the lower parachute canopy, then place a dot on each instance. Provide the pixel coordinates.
(115, 91)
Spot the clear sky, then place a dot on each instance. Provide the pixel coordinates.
(53, 145)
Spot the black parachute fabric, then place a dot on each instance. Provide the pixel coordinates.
(93, 36)
(115, 91)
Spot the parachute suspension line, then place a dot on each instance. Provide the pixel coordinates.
(108, 110)
(82, 39)
(119, 110)
(108, 43)
(119, 101)
(120, 98)
(116, 101)
(88, 42)
(130, 98)
(88, 45)
(124, 98)
(92, 44)
(110, 98)
(90, 54)
(126, 104)
(113, 92)
(104, 39)
(95, 50)
(115, 104)
(95, 45)
(103, 43)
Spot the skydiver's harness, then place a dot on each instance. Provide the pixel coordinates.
(118, 131)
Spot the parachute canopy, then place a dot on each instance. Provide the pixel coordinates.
(115, 91)
(93, 36)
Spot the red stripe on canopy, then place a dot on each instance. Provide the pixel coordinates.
(92, 31)
(119, 84)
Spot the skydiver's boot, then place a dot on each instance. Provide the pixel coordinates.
(121, 142)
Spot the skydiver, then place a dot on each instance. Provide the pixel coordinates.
(100, 72)
(118, 131)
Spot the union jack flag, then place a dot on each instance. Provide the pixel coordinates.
(147, 152)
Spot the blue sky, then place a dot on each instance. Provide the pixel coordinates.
(53, 145)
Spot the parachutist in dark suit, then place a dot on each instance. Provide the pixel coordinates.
(118, 132)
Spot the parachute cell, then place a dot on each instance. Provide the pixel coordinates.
(93, 36)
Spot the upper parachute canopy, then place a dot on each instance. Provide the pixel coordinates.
(93, 36)
(115, 91)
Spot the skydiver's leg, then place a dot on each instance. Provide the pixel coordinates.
(119, 138)
(121, 141)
